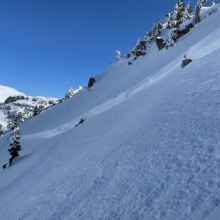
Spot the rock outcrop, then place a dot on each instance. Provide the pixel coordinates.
(160, 43)
(186, 62)
(182, 32)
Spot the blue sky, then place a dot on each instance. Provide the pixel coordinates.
(47, 46)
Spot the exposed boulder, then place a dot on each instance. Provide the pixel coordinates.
(129, 63)
(80, 122)
(182, 32)
(142, 45)
(185, 62)
(139, 53)
(91, 82)
(160, 43)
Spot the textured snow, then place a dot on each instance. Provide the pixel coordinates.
(5, 92)
(149, 147)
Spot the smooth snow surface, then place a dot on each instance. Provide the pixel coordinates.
(149, 147)
(5, 92)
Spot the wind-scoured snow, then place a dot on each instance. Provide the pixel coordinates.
(149, 147)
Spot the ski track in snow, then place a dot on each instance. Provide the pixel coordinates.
(106, 105)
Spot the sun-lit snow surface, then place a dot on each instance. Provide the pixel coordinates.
(5, 92)
(149, 147)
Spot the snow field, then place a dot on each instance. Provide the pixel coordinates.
(148, 149)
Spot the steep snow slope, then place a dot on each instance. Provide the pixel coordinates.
(148, 149)
(5, 92)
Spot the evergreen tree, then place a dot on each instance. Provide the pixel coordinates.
(41, 108)
(198, 10)
(169, 21)
(149, 39)
(178, 13)
(213, 2)
(15, 144)
(187, 13)
(19, 118)
(118, 56)
(10, 117)
(69, 93)
(156, 30)
(171, 39)
(36, 111)
(1, 130)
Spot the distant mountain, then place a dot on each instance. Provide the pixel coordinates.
(5, 92)
(13, 102)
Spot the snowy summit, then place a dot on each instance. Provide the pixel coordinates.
(5, 92)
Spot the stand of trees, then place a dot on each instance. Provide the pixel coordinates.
(172, 24)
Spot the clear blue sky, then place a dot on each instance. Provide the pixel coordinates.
(47, 46)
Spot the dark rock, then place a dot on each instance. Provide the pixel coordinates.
(129, 63)
(135, 58)
(160, 43)
(139, 53)
(186, 62)
(180, 33)
(143, 45)
(80, 122)
(91, 82)
(13, 99)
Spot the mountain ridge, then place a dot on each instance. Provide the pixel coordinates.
(6, 91)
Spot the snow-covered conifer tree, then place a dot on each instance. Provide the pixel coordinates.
(187, 13)
(178, 13)
(69, 93)
(19, 118)
(169, 21)
(15, 144)
(149, 39)
(118, 56)
(171, 39)
(10, 117)
(156, 30)
(198, 9)
(36, 111)
(213, 2)
(1, 130)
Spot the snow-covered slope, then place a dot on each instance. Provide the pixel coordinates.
(5, 92)
(149, 147)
